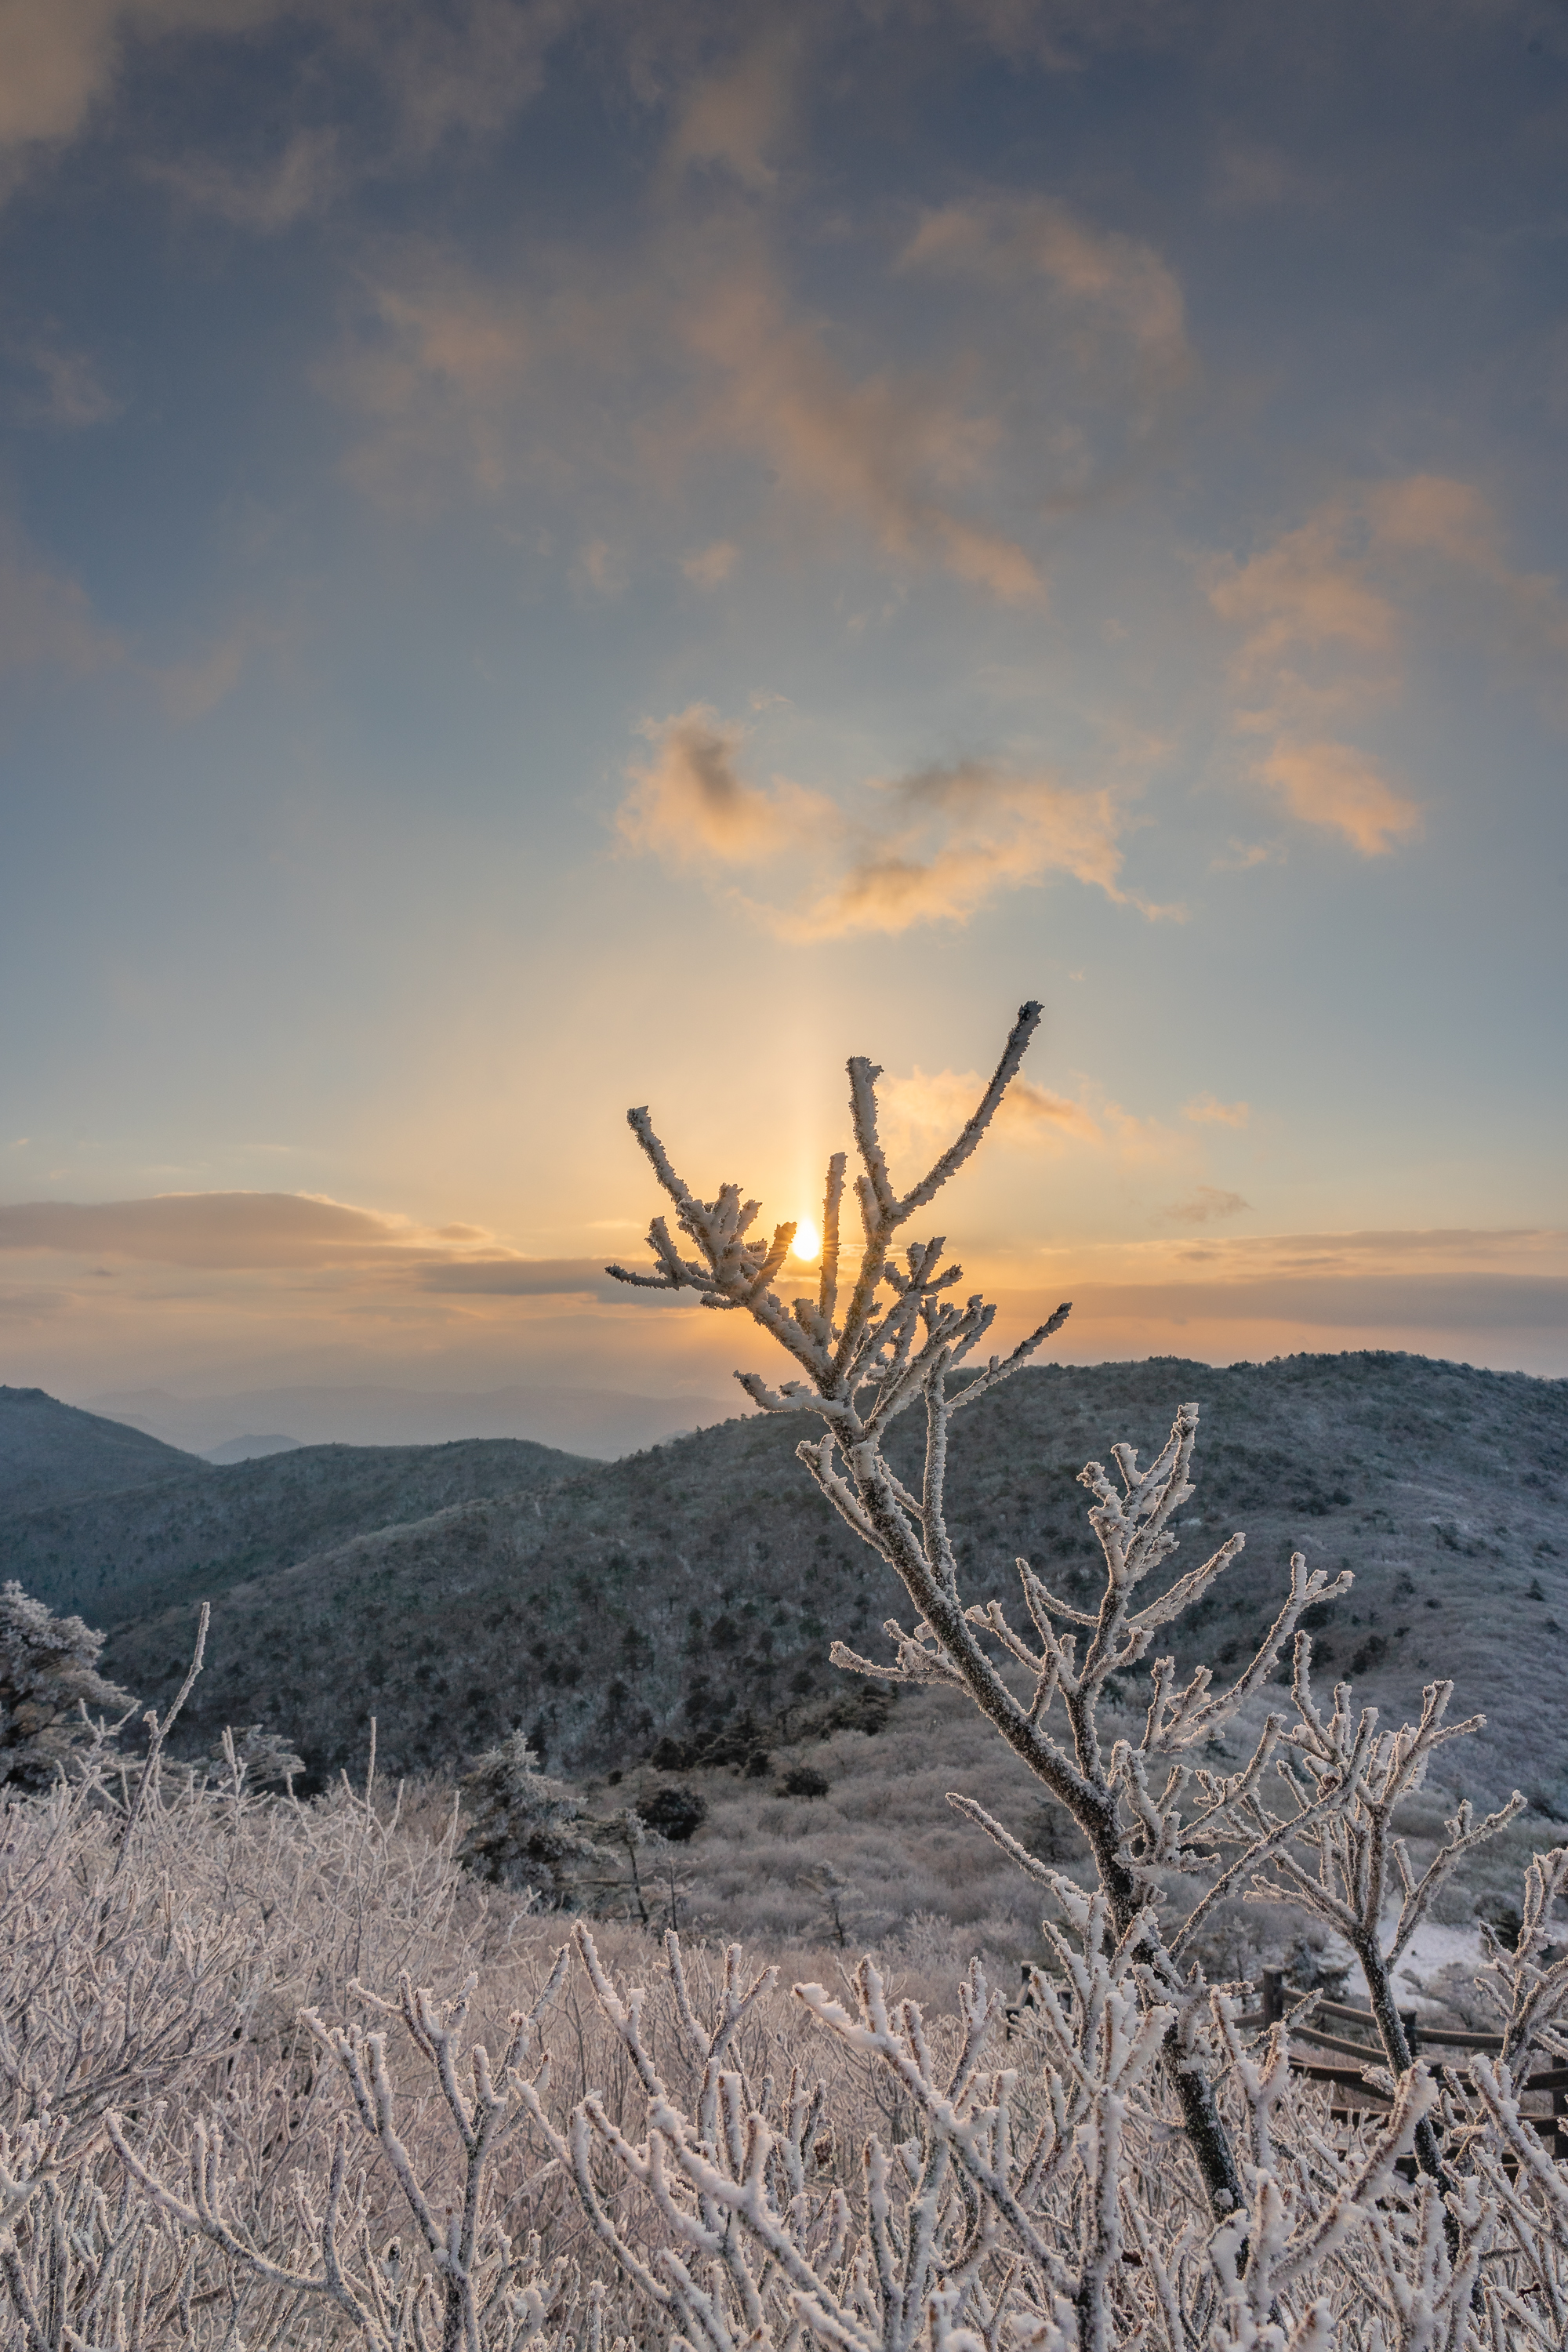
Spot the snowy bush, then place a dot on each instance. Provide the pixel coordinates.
(336, 2092)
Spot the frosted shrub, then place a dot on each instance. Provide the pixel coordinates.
(336, 2095)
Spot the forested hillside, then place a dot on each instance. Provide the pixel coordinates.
(683, 1591)
(117, 1555)
(49, 1450)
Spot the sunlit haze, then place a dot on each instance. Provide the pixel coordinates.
(555, 557)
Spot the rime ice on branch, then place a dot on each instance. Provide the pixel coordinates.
(1145, 1810)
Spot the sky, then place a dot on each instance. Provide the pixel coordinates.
(560, 554)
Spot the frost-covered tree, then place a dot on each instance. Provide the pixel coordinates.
(253, 1757)
(891, 1337)
(49, 1682)
(523, 1827)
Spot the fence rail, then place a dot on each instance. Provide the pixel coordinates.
(1351, 2094)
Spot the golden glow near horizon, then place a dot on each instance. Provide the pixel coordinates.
(626, 641)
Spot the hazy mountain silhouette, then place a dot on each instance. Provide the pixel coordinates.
(249, 1449)
(603, 1423)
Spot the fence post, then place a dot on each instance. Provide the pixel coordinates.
(1273, 1996)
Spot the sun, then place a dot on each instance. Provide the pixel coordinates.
(808, 1241)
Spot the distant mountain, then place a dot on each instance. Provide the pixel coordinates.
(114, 1556)
(603, 1423)
(677, 1590)
(49, 1450)
(249, 1449)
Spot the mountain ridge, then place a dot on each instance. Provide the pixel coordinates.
(50, 1451)
(108, 1555)
(678, 1591)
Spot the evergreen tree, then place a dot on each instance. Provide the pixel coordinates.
(49, 1676)
(521, 1828)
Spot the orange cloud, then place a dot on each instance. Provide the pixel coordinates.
(939, 1102)
(1522, 616)
(639, 370)
(952, 839)
(1324, 613)
(301, 1232)
(444, 70)
(935, 847)
(1334, 785)
(691, 806)
(892, 451)
(1305, 593)
(1204, 1111)
(230, 1230)
(927, 1107)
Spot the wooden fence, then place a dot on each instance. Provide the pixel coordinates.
(1351, 2094)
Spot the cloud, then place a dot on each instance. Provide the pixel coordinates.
(1204, 1110)
(924, 1112)
(602, 569)
(46, 617)
(933, 847)
(302, 180)
(62, 56)
(1334, 785)
(1250, 179)
(190, 688)
(894, 452)
(68, 393)
(951, 839)
(644, 374)
(1321, 646)
(738, 116)
(1307, 592)
(709, 567)
(436, 366)
(1205, 1205)
(1258, 1294)
(1121, 286)
(689, 805)
(231, 1230)
(1241, 856)
(1520, 617)
(932, 436)
(551, 1277)
(464, 68)
(1325, 614)
(925, 1105)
